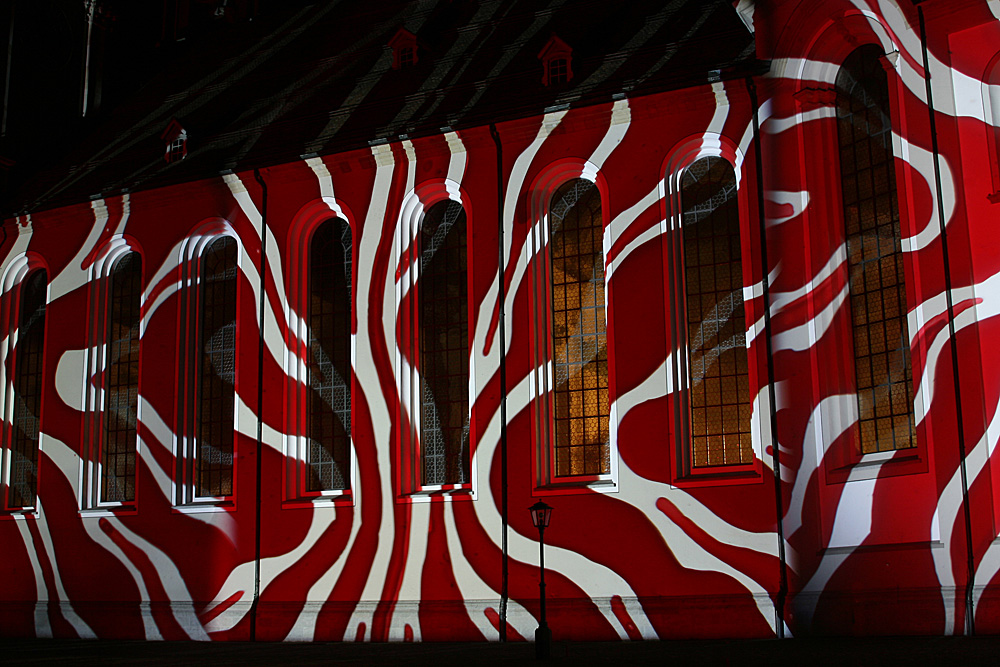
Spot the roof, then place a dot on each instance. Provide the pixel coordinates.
(318, 79)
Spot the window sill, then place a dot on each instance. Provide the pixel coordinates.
(880, 464)
(109, 510)
(341, 499)
(199, 507)
(561, 486)
(19, 513)
(443, 493)
(721, 476)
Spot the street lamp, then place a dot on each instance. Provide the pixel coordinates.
(540, 515)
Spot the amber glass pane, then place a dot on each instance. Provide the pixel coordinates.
(443, 300)
(329, 358)
(579, 331)
(122, 381)
(27, 392)
(214, 465)
(718, 373)
(874, 256)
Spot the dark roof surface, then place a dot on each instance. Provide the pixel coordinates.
(319, 79)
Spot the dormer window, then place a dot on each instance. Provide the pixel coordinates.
(404, 49)
(175, 141)
(558, 71)
(557, 62)
(407, 57)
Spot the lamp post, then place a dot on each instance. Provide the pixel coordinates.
(540, 515)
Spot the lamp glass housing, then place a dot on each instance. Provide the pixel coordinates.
(540, 514)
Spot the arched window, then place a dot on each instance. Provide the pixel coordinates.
(875, 259)
(581, 432)
(329, 364)
(718, 368)
(443, 341)
(217, 370)
(28, 383)
(121, 395)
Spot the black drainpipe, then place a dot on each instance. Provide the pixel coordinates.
(260, 400)
(775, 457)
(970, 619)
(503, 386)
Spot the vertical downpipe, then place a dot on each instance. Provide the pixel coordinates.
(775, 455)
(501, 305)
(260, 400)
(6, 84)
(970, 619)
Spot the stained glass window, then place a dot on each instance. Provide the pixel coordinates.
(443, 324)
(874, 256)
(329, 366)
(216, 400)
(579, 331)
(718, 374)
(28, 356)
(121, 397)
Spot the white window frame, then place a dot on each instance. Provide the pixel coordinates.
(541, 382)
(96, 363)
(185, 445)
(411, 216)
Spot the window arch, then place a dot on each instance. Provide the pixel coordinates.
(213, 472)
(320, 462)
(208, 421)
(578, 337)
(327, 458)
(718, 377)
(883, 376)
(24, 406)
(443, 345)
(436, 382)
(121, 388)
(111, 443)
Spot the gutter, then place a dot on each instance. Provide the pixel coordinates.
(779, 612)
(260, 401)
(970, 619)
(501, 304)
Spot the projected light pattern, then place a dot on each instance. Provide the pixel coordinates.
(656, 543)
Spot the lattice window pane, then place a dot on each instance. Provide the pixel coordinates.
(443, 323)
(214, 464)
(329, 410)
(874, 253)
(718, 371)
(407, 56)
(121, 381)
(28, 356)
(579, 331)
(558, 71)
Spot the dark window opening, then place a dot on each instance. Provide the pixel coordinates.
(175, 151)
(579, 331)
(443, 303)
(329, 365)
(558, 71)
(216, 400)
(718, 374)
(28, 355)
(874, 252)
(407, 57)
(122, 384)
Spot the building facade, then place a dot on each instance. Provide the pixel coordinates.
(735, 331)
